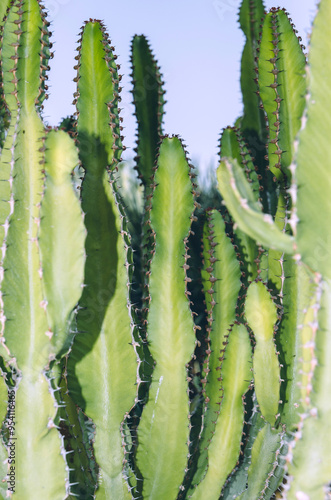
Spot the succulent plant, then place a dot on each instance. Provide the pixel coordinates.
(177, 346)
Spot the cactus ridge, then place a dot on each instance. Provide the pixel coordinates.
(78, 449)
(149, 108)
(171, 358)
(247, 213)
(221, 301)
(282, 89)
(103, 308)
(227, 437)
(251, 15)
(232, 146)
(149, 102)
(261, 314)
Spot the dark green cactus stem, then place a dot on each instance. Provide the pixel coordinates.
(282, 87)
(102, 367)
(82, 467)
(148, 100)
(170, 329)
(266, 468)
(252, 123)
(149, 103)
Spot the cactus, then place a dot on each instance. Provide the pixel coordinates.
(181, 352)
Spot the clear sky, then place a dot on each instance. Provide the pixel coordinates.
(198, 44)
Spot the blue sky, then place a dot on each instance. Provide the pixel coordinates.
(198, 45)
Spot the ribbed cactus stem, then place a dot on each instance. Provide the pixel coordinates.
(221, 282)
(102, 366)
(170, 328)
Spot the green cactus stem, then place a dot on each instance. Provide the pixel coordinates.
(148, 98)
(251, 15)
(261, 314)
(26, 328)
(266, 469)
(225, 446)
(308, 458)
(149, 102)
(102, 366)
(170, 329)
(233, 146)
(247, 213)
(297, 292)
(62, 224)
(282, 87)
(312, 181)
(221, 283)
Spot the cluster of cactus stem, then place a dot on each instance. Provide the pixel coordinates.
(177, 346)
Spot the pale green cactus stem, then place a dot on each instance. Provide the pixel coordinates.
(246, 212)
(308, 458)
(163, 431)
(261, 314)
(26, 329)
(61, 241)
(309, 463)
(224, 449)
(221, 283)
(102, 366)
(62, 262)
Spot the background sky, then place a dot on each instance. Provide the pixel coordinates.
(198, 45)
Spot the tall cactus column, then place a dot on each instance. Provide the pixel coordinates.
(163, 431)
(102, 366)
(30, 336)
